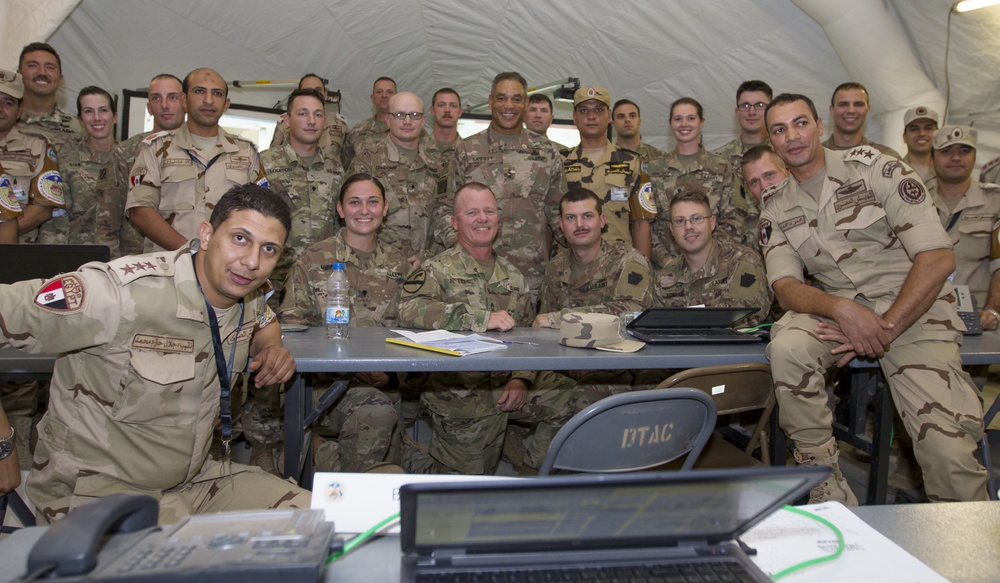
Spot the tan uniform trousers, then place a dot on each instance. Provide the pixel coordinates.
(934, 397)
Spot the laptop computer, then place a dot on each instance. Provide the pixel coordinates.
(592, 525)
(691, 325)
(23, 262)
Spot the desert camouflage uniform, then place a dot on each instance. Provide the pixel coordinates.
(9, 208)
(369, 130)
(311, 192)
(85, 173)
(856, 243)
(453, 292)
(744, 203)
(31, 164)
(991, 171)
(732, 277)
(616, 177)
(971, 226)
(134, 399)
(710, 175)
(829, 145)
(331, 141)
(113, 228)
(525, 173)
(57, 126)
(410, 191)
(171, 174)
(926, 174)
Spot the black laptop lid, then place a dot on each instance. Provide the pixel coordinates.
(22, 262)
(645, 509)
(689, 318)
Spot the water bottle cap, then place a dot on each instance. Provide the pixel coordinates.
(338, 266)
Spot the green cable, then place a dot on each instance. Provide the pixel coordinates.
(357, 540)
(817, 560)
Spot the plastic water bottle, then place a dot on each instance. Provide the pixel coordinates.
(338, 303)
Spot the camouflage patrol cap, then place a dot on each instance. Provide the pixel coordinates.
(951, 135)
(11, 84)
(920, 112)
(598, 331)
(588, 92)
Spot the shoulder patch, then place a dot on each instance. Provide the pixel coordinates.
(890, 167)
(50, 185)
(131, 268)
(415, 282)
(63, 295)
(153, 136)
(765, 232)
(863, 154)
(646, 199)
(911, 191)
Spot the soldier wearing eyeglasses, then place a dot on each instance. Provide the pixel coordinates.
(710, 271)
(412, 175)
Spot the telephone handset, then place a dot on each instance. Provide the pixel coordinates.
(968, 310)
(116, 539)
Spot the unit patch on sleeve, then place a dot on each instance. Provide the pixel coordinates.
(63, 295)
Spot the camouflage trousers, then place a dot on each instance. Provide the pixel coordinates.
(934, 396)
(363, 422)
(468, 427)
(20, 402)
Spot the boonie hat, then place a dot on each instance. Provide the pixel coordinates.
(599, 331)
(920, 112)
(951, 135)
(588, 92)
(11, 84)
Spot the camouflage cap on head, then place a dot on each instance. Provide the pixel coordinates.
(588, 92)
(921, 112)
(11, 84)
(598, 331)
(951, 135)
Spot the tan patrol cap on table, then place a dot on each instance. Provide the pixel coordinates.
(951, 135)
(588, 92)
(598, 331)
(10, 83)
(920, 112)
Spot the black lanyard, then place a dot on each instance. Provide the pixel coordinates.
(198, 162)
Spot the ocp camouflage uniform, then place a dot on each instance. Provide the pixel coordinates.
(32, 165)
(648, 153)
(369, 130)
(710, 175)
(616, 177)
(411, 187)
(134, 400)
(172, 175)
(113, 227)
(56, 127)
(829, 145)
(525, 173)
(857, 243)
(732, 277)
(991, 171)
(311, 191)
(331, 141)
(744, 203)
(453, 291)
(86, 173)
(971, 225)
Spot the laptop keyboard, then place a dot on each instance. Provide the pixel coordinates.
(716, 572)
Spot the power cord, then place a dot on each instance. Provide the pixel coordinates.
(357, 540)
(817, 560)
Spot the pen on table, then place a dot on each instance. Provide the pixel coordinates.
(498, 341)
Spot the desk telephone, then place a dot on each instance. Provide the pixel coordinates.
(116, 539)
(968, 310)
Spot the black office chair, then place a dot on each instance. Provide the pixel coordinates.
(19, 508)
(634, 431)
(989, 448)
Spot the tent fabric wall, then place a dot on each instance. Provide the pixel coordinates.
(25, 21)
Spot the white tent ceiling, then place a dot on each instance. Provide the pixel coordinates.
(650, 51)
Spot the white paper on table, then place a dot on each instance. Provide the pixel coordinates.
(463, 343)
(785, 539)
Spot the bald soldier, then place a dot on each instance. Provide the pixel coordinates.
(849, 108)
(332, 137)
(861, 224)
(179, 175)
(412, 174)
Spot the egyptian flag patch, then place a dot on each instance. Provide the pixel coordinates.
(62, 296)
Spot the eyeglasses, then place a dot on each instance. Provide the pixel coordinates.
(746, 106)
(695, 220)
(401, 115)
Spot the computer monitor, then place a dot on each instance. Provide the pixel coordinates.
(23, 262)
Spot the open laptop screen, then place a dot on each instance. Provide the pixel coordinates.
(22, 262)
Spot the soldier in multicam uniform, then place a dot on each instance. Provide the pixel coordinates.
(9, 210)
(626, 120)
(306, 175)
(179, 175)
(615, 175)
(331, 139)
(373, 128)
(869, 296)
(525, 173)
(713, 272)
(164, 103)
(446, 109)
(919, 125)
(136, 410)
(469, 287)
(41, 68)
(688, 167)
(363, 418)
(412, 175)
(849, 109)
(86, 168)
(751, 99)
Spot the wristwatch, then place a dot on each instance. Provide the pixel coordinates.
(7, 444)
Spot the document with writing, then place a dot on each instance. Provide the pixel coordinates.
(446, 342)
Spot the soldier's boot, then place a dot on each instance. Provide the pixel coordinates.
(907, 475)
(22, 439)
(833, 488)
(262, 457)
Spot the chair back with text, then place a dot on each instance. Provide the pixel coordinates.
(634, 431)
